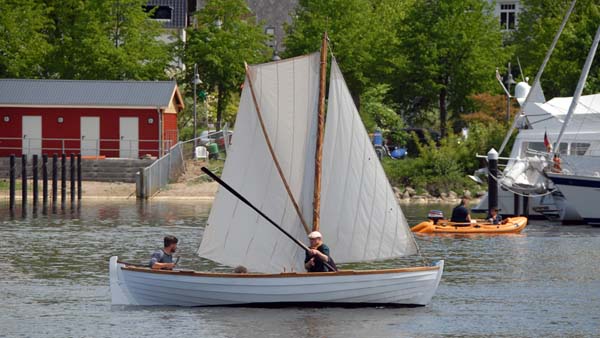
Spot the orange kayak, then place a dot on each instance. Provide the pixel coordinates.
(512, 225)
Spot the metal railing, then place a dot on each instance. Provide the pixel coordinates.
(88, 147)
(221, 137)
(164, 170)
(169, 167)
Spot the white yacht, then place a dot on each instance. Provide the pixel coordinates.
(534, 171)
(523, 176)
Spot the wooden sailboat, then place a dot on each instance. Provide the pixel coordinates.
(272, 163)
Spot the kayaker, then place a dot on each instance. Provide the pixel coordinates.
(460, 214)
(317, 254)
(163, 259)
(494, 217)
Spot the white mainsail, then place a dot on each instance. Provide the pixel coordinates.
(287, 95)
(360, 217)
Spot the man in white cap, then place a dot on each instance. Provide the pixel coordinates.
(317, 254)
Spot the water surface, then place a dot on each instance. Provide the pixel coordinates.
(54, 281)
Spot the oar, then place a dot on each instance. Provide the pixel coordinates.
(243, 199)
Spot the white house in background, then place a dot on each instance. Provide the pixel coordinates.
(507, 12)
(173, 15)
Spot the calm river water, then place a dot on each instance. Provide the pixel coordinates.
(54, 282)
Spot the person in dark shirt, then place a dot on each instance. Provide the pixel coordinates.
(494, 217)
(317, 254)
(460, 213)
(163, 259)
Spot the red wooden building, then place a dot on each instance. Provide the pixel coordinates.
(128, 119)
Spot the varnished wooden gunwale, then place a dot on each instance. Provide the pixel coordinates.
(277, 275)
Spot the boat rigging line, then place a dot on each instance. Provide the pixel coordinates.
(536, 81)
(272, 152)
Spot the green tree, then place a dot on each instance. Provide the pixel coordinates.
(538, 24)
(377, 114)
(452, 48)
(361, 35)
(23, 42)
(102, 39)
(227, 34)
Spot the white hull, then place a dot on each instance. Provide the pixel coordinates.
(142, 286)
(553, 207)
(583, 192)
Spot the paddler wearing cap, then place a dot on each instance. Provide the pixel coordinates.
(317, 254)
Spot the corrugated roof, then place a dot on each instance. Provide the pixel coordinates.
(86, 93)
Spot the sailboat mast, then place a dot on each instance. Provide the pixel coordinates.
(320, 129)
(538, 76)
(582, 79)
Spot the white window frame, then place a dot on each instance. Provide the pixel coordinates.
(506, 9)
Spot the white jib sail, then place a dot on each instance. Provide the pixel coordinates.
(360, 218)
(287, 94)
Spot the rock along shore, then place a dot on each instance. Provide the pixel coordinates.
(207, 191)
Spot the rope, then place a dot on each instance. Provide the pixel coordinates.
(518, 193)
(272, 152)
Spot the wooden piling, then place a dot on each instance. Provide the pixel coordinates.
(79, 176)
(34, 169)
(492, 176)
(54, 179)
(24, 181)
(72, 158)
(12, 184)
(44, 180)
(63, 179)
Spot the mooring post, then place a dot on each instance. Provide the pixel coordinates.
(79, 176)
(63, 179)
(72, 158)
(526, 206)
(24, 181)
(516, 200)
(34, 169)
(492, 179)
(12, 185)
(141, 184)
(54, 179)
(44, 180)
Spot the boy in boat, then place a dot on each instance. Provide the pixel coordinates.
(460, 214)
(494, 217)
(163, 259)
(318, 253)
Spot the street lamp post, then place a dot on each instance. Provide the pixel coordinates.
(275, 53)
(196, 82)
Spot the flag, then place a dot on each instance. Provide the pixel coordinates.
(547, 143)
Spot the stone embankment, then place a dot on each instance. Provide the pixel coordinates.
(410, 195)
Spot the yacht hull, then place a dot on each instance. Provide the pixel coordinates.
(582, 192)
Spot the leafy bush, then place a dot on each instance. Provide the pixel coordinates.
(377, 114)
(445, 167)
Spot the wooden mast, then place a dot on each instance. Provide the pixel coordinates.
(320, 129)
